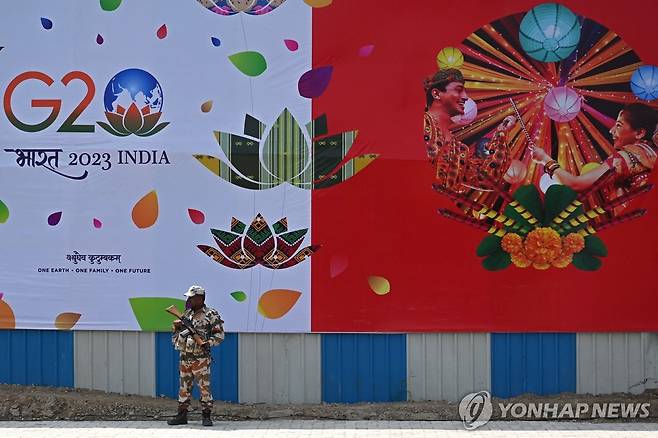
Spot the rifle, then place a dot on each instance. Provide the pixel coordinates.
(186, 323)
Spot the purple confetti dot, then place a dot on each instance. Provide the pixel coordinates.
(97, 223)
(54, 218)
(46, 23)
(99, 39)
(314, 82)
(215, 41)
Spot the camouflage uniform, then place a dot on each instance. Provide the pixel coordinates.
(195, 360)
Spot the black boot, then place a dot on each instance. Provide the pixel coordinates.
(180, 418)
(205, 418)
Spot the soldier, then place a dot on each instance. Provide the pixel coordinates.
(194, 357)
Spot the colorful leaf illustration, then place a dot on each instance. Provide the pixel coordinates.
(250, 63)
(196, 216)
(7, 318)
(239, 296)
(318, 3)
(150, 312)
(162, 32)
(379, 285)
(275, 303)
(54, 218)
(315, 81)
(291, 45)
(66, 321)
(145, 211)
(4, 212)
(206, 106)
(110, 5)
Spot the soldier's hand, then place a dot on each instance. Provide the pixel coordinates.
(177, 324)
(205, 345)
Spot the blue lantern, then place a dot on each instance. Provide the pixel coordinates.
(549, 32)
(644, 82)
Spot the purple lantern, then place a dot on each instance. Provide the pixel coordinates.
(562, 104)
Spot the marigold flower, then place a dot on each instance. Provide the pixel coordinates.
(541, 266)
(520, 260)
(512, 243)
(542, 245)
(573, 243)
(562, 261)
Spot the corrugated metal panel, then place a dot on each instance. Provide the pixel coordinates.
(364, 367)
(539, 363)
(36, 357)
(617, 362)
(447, 366)
(223, 372)
(279, 368)
(115, 361)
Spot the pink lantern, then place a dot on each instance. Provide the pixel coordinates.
(562, 104)
(470, 113)
(516, 172)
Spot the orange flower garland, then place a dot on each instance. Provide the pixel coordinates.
(542, 248)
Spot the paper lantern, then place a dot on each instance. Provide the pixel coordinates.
(516, 172)
(549, 32)
(470, 113)
(450, 57)
(562, 104)
(589, 167)
(644, 82)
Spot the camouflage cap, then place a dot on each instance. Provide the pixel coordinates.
(195, 290)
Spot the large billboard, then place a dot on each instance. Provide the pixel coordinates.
(328, 166)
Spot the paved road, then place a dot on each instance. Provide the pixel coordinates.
(322, 429)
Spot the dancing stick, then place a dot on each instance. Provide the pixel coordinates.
(481, 209)
(592, 229)
(499, 232)
(597, 211)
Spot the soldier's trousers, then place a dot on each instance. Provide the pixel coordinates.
(194, 369)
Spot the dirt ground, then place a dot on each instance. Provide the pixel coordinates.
(42, 403)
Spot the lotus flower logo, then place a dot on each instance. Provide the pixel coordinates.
(133, 104)
(284, 156)
(274, 248)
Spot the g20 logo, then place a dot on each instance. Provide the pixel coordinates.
(132, 100)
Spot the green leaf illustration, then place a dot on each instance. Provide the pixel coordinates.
(595, 246)
(497, 261)
(529, 198)
(150, 312)
(586, 262)
(557, 198)
(489, 245)
(249, 63)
